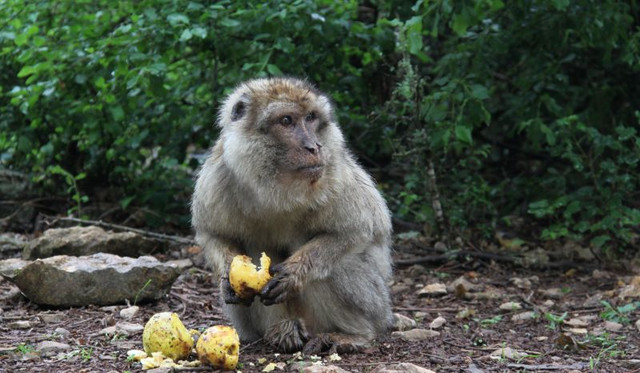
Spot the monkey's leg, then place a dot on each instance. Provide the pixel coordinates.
(335, 343)
(288, 335)
(351, 306)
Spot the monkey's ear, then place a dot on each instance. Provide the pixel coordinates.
(238, 111)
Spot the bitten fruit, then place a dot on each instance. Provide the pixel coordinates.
(164, 332)
(219, 347)
(245, 279)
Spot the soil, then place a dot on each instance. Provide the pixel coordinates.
(548, 342)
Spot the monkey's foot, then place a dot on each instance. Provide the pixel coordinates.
(335, 343)
(287, 335)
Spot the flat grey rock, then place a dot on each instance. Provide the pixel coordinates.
(100, 279)
(80, 241)
(9, 268)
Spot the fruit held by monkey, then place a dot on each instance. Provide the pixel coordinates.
(245, 279)
(164, 332)
(219, 346)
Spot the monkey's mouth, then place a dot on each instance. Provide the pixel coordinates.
(312, 168)
(313, 172)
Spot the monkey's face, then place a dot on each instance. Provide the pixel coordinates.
(293, 131)
(279, 125)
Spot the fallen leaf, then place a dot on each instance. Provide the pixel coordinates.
(269, 367)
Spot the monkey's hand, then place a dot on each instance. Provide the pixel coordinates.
(285, 284)
(229, 296)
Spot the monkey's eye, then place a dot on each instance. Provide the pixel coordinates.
(311, 116)
(286, 120)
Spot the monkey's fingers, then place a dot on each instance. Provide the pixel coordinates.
(230, 297)
(275, 291)
(276, 269)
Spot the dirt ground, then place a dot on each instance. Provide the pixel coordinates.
(570, 329)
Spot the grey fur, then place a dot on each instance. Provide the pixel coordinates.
(341, 228)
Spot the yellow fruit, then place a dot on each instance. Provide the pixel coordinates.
(219, 347)
(245, 279)
(164, 332)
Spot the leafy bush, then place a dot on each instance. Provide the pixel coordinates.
(529, 109)
(123, 91)
(526, 109)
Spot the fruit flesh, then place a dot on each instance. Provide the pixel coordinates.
(164, 332)
(245, 279)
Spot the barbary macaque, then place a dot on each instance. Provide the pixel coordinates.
(281, 180)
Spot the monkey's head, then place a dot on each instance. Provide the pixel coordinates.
(280, 134)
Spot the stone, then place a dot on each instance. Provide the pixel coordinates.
(638, 325)
(62, 332)
(323, 369)
(22, 324)
(578, 331)
(420, 315)
(437, 322)
(552, 293)
(48, 347)
(401, 368)
(108, 331)
(433, 290)
(10, 268)
(100, 279)
(576, 322)
(507, 353)
(416, 334)
(52, 318)
(129, 312)
(128, 328)
(461, 284)
(80, 241)
(11, 242)
(524, 316)
(612, 326)
(182, 264)
(510, 306)
(401, 322)
(399, 288)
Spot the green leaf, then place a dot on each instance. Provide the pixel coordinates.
(186, 35)
(561, 4)
(414, 34)
(199, 32)
(227, 22)
(599, 241)
(461, 22)
(463, 134)
(479, 92)
(177, 19)
(26, 71)
(118, 113)
(274, 70)
(21, 39)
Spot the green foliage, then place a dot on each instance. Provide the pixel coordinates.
(555, 320)
(618, 314)
(529, 109)
(122, 92)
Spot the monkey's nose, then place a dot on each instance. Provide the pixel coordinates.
(312, 147)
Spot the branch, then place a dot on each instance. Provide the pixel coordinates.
(157, 236)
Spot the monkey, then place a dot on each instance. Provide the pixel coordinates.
(280, 179)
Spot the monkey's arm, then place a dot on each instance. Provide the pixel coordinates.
(218, 253)
(315, 260)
